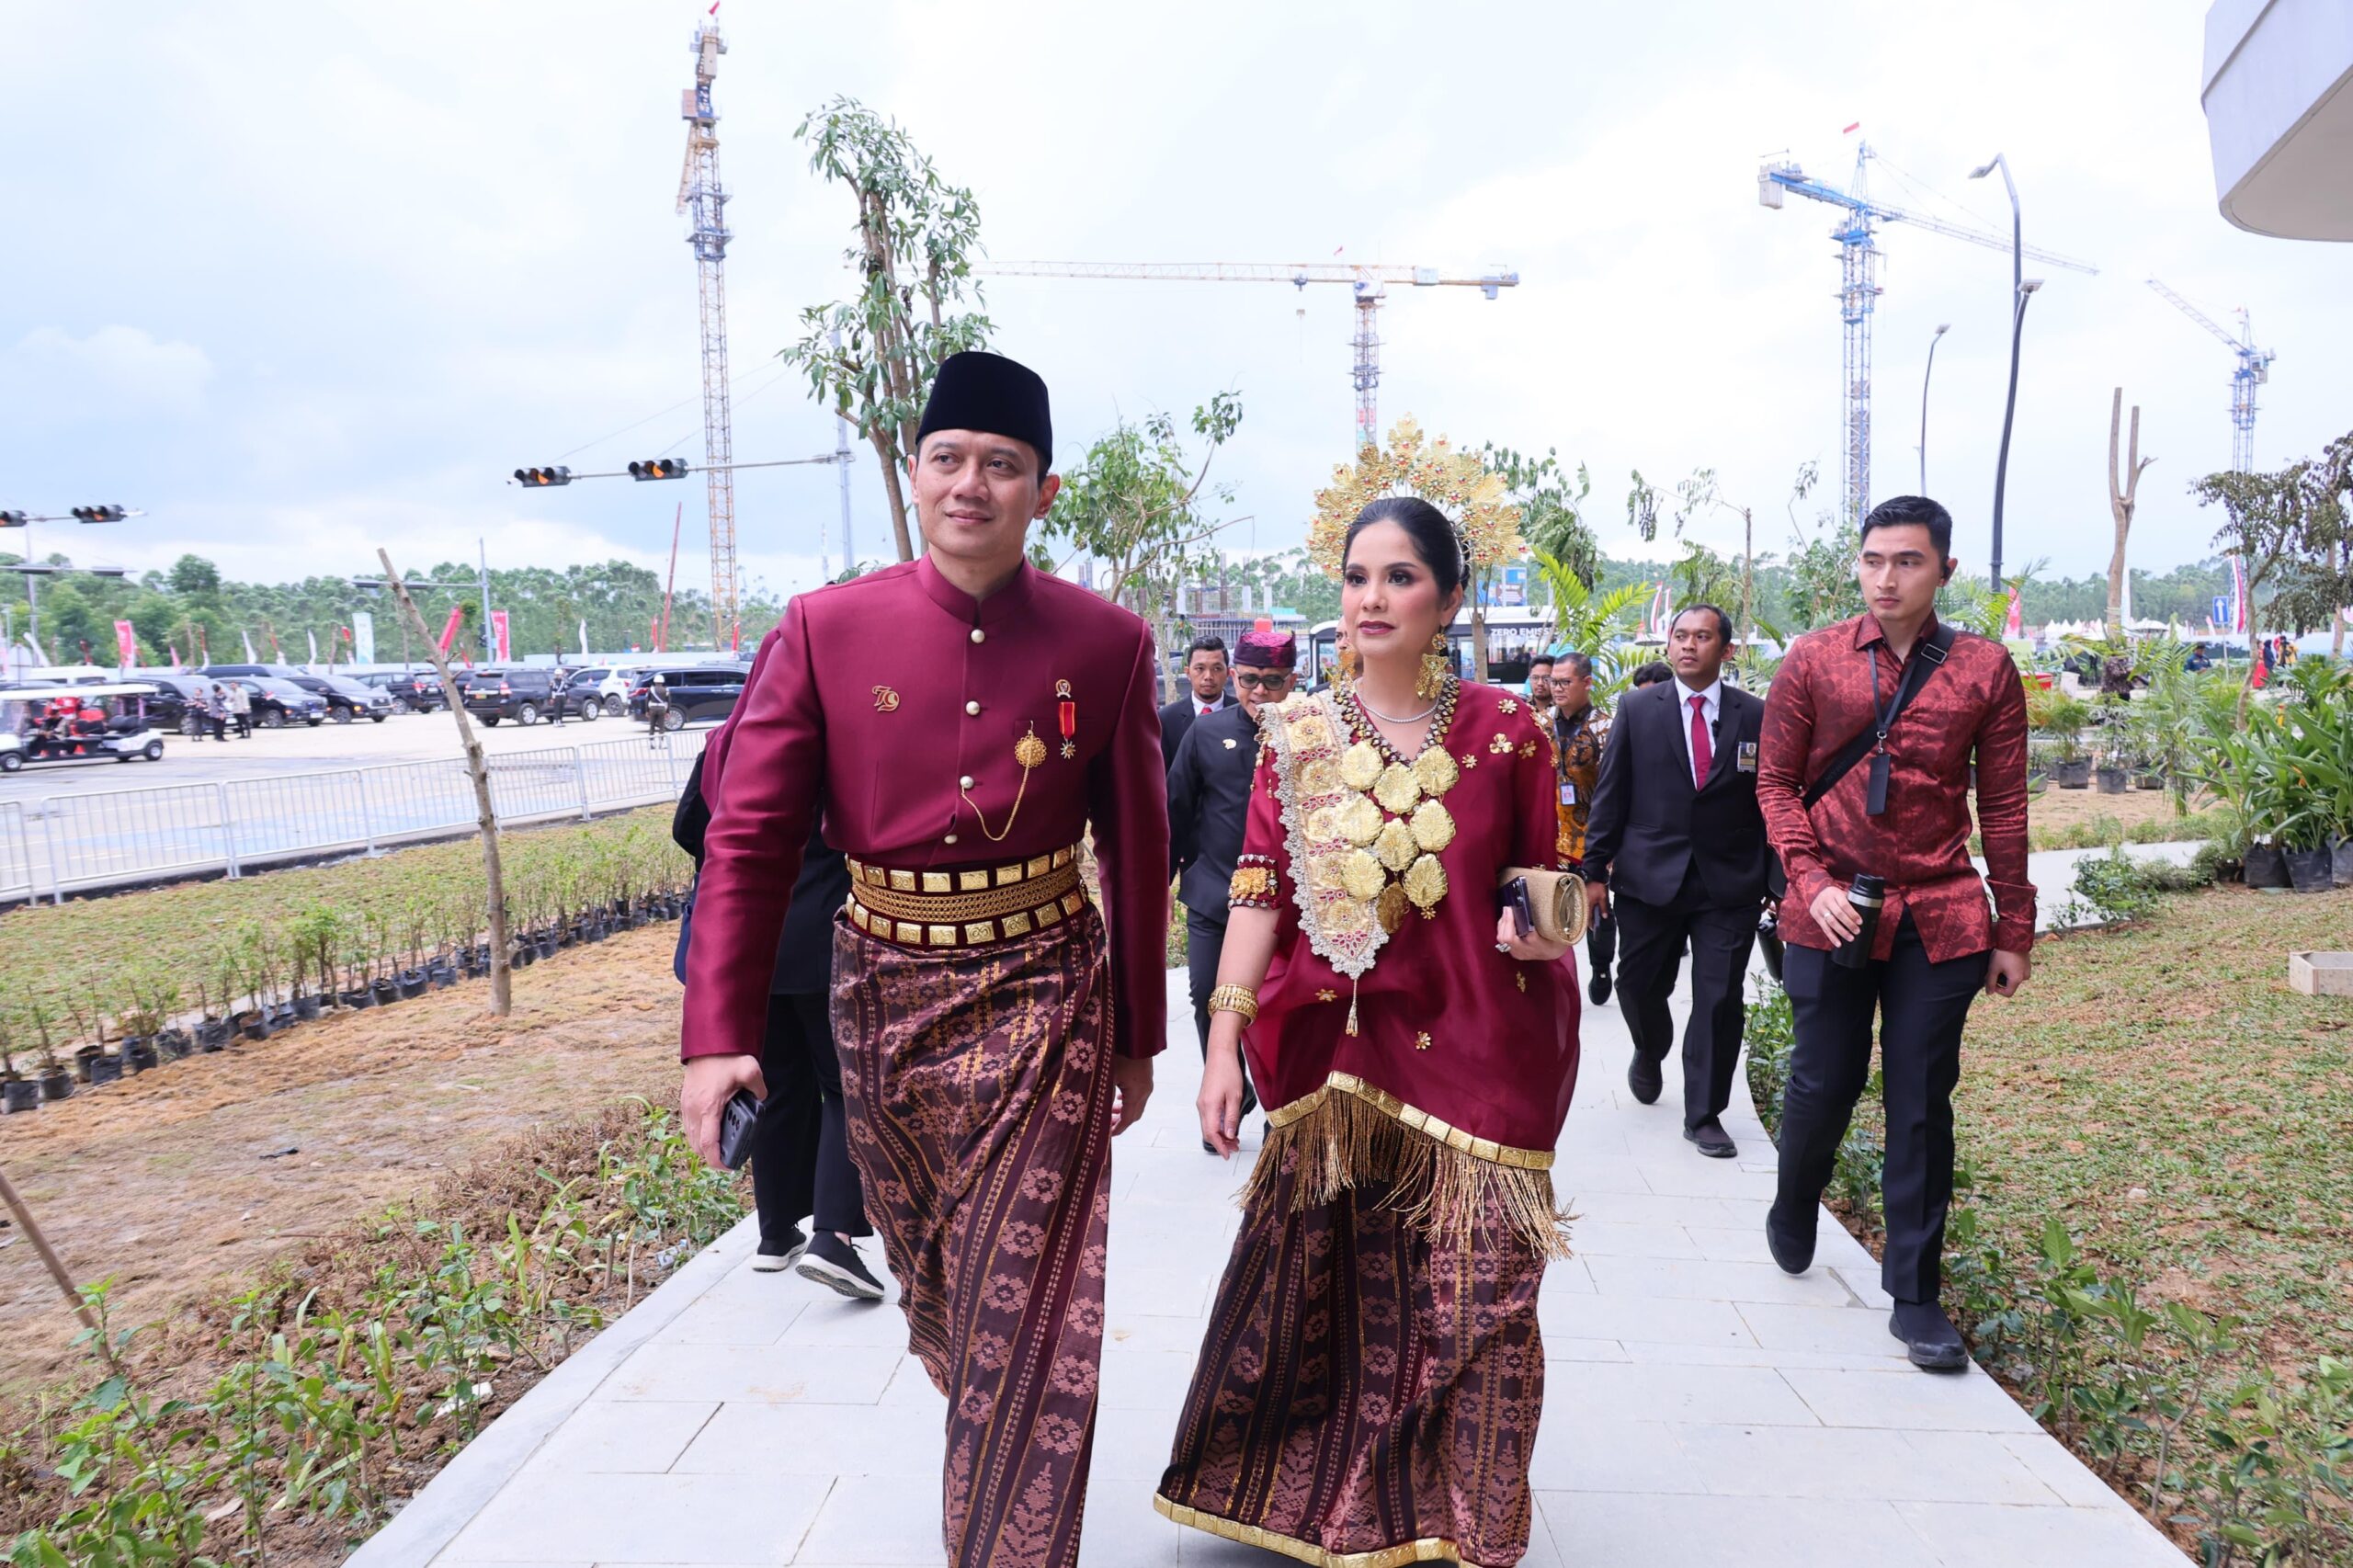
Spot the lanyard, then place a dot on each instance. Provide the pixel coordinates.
(1882, 721)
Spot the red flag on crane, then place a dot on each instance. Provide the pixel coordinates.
(1849, 132)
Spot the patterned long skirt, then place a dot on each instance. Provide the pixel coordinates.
(978, 1085)
(1364, 1398)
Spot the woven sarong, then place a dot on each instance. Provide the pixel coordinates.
(978, 1082)
(1364, 1398)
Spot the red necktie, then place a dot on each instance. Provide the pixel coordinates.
(1206, 710)
(1703, 755)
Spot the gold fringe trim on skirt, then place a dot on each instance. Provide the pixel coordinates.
(1430, 1549)
(1443, 1180)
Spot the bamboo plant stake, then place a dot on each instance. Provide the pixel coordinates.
(56, 1266)
(502, 984)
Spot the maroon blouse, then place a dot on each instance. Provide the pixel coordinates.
(1446, 1025)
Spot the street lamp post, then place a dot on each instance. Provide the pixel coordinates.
(1942, 327)
(2017, 320)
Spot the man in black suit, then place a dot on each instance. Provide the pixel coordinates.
(1209, 801)
(1676, 831)
(1205, 669)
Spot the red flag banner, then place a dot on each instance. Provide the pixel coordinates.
(126, 642)
(449, 633)
(498, 635)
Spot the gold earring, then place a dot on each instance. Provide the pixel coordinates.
(1435, 665)
(1344, 668)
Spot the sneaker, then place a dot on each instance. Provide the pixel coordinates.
(1598, 987)
(775, 1257)
(1711, 1139)
(835, 1263)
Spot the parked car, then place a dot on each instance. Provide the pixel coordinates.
(699, 691)
(168, 708)
(347, 699)
(277, 703)
(527, 693)
(603, 684)
(417, 691)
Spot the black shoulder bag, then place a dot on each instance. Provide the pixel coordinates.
(1869, 741)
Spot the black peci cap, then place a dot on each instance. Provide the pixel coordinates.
(989, 392)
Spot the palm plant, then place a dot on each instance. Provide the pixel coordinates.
(1591, 622)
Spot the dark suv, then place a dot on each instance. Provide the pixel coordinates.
(419, 691)
(526, 694)
(342, 698)
(703, 691)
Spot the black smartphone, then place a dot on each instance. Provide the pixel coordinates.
(1513, 895)
(735, 1122)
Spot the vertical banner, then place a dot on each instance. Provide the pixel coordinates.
(363, 637)
(2015, 626)
(314, 643)
(583, 636)
(449, 633)
(126, 642)
(251, 657)
(500, 651)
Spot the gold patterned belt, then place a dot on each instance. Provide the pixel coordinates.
(953, 909)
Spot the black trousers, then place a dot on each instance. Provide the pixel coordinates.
(1921, 1007)
(1651, 938)
(800, 1164)
(1204, 944)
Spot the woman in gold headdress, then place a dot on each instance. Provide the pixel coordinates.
(1368, 1389)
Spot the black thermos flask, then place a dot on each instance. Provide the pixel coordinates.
(1867, 896)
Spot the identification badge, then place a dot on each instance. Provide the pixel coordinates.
(1745, 759)
(1568, 794)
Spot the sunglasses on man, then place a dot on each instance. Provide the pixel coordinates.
(1279, 679)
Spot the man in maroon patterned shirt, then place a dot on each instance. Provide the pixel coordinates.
(1907, 820)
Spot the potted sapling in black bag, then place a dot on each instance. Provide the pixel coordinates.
(16, 1092)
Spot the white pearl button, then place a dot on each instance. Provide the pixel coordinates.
(974, 708)
(949, 839)
(979, 635)
(965, 783)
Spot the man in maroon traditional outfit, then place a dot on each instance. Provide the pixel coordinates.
(967, 719)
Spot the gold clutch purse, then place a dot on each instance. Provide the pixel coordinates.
(1555, 900)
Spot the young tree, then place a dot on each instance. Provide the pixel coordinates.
(2265, 530)
(1551, 514)
(2122, 501)
(873, 358)
(1131, 503)
(1591, 621)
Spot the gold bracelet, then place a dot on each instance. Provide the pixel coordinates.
(1238, 999)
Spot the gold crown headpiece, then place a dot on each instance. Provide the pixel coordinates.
(1456, 484)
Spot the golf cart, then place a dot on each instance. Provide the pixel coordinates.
(67, 724)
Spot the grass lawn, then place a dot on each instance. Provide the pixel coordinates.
(2159, 1089)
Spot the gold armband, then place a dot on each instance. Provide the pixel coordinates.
(1238, 999)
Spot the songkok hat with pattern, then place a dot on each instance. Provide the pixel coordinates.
(990, 394)
(1262, 647)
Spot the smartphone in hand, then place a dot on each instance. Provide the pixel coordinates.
(736, 1120)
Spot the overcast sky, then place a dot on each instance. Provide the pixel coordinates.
(302, 279)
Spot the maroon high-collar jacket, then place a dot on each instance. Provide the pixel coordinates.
(900, 698)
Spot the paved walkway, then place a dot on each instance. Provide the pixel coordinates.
(1701, 1406)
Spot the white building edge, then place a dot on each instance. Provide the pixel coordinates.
(2278, 100)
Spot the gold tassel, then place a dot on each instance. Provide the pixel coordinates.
(1446, 1194)
(1352, 1006)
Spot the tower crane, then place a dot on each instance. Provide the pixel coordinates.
(1858, 254)
(700, 194)
(2255, 368)
(1368, 282)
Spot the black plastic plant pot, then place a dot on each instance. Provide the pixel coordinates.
(358, 996)
(2265, 867)
(2072, 775)
(413, 985)
(173, 1044)
(19, 1094)
(82, 1059)
(2149, 778)
(566, 936)
(255, 1026)
(141, 1057)
(56, 1085)
(386, 992)
(307, 1007)
(548, 945)
(526, 954)
(2114, 781)
(440, 972)
(2341, 862)
(212, 1034)
(104, 1070)
(2311, 870)
(594, 931)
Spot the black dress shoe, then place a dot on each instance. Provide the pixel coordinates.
(1929, 1338)
(1713, 1140)
(1642, 1076)
(1598, 986)
(1792, 1245)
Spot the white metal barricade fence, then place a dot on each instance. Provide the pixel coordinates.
(16, 853)
(97, 839)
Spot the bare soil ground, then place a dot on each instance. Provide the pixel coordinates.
(2056, 809)
(178, 1184)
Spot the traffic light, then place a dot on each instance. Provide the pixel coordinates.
(99, 514)
(15, 520)
(540, 478)
(658, 468)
